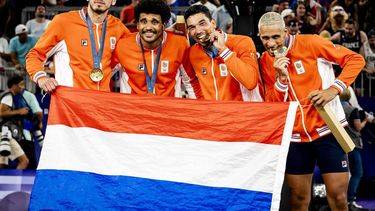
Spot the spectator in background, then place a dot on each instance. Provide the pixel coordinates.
(223, 19)
(280, 5)
(210, 6)
(307, 22)
(30, 124)
(38, 25)
(127, 16)
(368, 51)
(336, 20)
(287, 15)
(283, 5)
(316, 11)
(293, 26)
(20, 45)
(9, 114)
(226, 65)
(79, 64)
(351, 38)
(4, 53)
(356, 124)
(350, 7)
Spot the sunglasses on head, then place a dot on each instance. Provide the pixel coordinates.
(293, 24)
(338, 10)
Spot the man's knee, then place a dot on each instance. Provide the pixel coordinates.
(339, 198)
(299, 199)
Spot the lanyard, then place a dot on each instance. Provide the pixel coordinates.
(151, 81)
(97, 56)
(287, 40)
(211, 53)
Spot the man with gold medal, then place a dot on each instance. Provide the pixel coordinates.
(155, 61)
(81, 43)
(299, 68)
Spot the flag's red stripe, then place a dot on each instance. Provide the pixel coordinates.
(196, 119)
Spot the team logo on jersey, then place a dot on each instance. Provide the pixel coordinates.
(344, 164)
(204, 71)
(223, 70)
(141, 67)
(112, 41)
(299, 67)
(164, 66)
(84, 43)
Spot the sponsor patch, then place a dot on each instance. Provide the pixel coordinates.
(223, 70)
(164, 66)
(84, 42)
(112, 41)
(299, 67)
(204, 71)
(141, 67)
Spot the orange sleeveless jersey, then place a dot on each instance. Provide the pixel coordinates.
(174, 69)
(231, 75)
(67, 40)
(310, 69)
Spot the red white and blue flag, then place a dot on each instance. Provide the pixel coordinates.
(110, 151)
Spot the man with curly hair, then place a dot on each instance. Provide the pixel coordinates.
(155, 61)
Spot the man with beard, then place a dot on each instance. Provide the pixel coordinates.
(155, 61)
(351, 37)
(38, 25)
(82, 43)
(298, 68)
(225, 64)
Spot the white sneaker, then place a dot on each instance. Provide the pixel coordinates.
(354, 204)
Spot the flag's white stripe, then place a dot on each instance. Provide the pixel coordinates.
(287, 134)
(16, 179)
(210, 163)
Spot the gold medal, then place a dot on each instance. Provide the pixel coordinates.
(96, 74)
(280, 52)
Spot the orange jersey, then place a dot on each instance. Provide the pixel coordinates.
(310, 69)
(67, 39)
(232, 75)
(174, 68)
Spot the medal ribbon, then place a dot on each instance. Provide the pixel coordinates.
(97, 56)
(151, 81)
(212, 52)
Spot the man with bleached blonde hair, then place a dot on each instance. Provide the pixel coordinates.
(298, 68)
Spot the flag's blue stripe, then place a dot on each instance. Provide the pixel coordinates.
(59, 190)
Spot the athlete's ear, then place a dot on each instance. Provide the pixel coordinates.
(113, 2)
